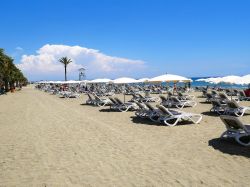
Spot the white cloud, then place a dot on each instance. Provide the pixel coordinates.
(44, 65)
(19, 48)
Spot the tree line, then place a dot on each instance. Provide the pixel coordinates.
(10, 75)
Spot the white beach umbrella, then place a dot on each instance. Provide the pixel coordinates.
(42, 82)
(203, 79)
(52, 82)
(104, 80)
(72, 82)
(84, 81)
(124, 80)
(212, 80)
(170, 78)
(245, 79)
(143, 80)
(57, 82)
(231, 79)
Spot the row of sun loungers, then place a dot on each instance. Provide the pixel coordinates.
(68, 94)
(241, 96)
(173, 101)
(176, 102)
(161, 114)
(229, 108)
(226, 104)
(114, 103)
(164, 115)
(140, 98)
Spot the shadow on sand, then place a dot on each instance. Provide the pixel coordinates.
(204, 102)
(145, 121)
(212, 114)
(84, 104)
(229, 146)
(108, 110)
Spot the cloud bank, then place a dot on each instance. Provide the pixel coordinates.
(44, 64)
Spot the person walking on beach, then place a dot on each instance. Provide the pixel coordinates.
(175, 88)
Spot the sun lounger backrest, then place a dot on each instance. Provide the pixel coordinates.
(112, 100)
(214, 92)
(149, 106)
(175, 99)
(223, 96)
(97, 98)
(134, 95)
(242, 94)
(232, 104)
(118, 100)
(232, 123)
(140, 95)
(209, 96)
(164, 110)
(163, 98)
(142, 106)
(170, 94)
(90, 97)
(215, 103)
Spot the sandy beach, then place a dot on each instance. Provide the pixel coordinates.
(50, 141)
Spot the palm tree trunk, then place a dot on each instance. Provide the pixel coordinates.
(6, 85)
(65, 72)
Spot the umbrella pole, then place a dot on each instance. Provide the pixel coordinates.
(124, 94)
(231, 92)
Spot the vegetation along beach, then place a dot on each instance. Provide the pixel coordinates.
(124, 93)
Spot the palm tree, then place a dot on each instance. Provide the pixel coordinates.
(65, 61)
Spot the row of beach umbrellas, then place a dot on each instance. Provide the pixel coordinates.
(231, 79)
(127, 80)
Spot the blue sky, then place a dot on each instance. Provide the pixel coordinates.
(142, 38)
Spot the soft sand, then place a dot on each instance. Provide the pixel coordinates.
(48, 141)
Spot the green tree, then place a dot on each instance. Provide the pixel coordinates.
(9, 73)
(65, 61)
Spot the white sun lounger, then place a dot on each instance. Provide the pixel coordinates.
(124, 107)
(236, 129)
(143, 111)
(102, 101)
(172, 117)
(234, 108)
(90, 100)
(218, 107)
(174, 101)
